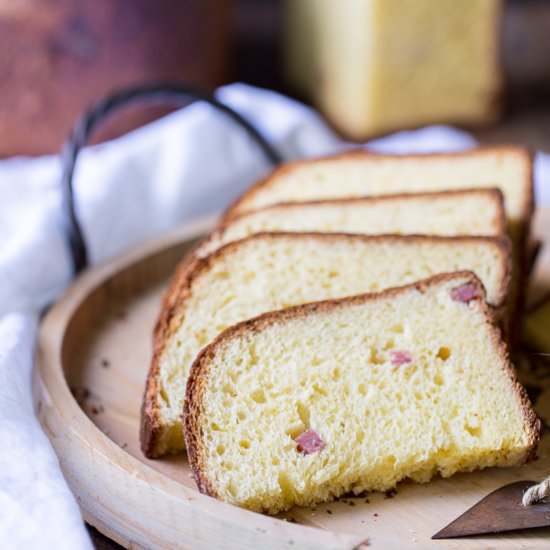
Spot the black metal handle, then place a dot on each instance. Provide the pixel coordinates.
(163, 93)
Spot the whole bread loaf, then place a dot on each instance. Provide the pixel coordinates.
(267, 272)
(299, 406)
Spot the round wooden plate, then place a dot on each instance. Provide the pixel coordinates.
(93, 354)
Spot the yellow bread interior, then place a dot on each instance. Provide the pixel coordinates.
(454, 406)
(274, 271)
(468, 212)
(362, 174)
(374, 66)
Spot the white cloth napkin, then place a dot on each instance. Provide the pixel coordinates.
(192, 162)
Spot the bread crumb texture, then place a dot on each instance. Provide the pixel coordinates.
(359, 397)
(272, 272)
(447, 214)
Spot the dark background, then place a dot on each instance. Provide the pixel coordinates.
(59, 56)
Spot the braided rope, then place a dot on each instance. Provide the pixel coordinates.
(537, 493)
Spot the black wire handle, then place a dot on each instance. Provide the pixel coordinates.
(163, 93)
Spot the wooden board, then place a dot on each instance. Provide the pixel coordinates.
(93, 354)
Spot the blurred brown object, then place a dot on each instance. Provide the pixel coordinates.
(526, 46)
(58, 56)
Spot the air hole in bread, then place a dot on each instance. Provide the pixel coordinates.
(295, 430)
(409, 371)
(473, 431)
(319, 389)
(231, 489)
(244, 444)
(376, 358)
(303, 412)
(286, 485)
(227, 300)
(201, 337)
(258, 396)
(390, 344)
(444, 353)
(164, 396)
(229, 389)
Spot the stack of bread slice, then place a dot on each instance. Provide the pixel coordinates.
(329, 229)
(360, 173)
(299, 406)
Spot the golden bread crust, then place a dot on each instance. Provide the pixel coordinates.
(239, 205)
(494, 192)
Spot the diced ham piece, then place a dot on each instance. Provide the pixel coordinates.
(309, 442)
(400, 357)
(465, 293)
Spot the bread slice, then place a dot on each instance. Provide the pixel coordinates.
(296, 407)
(274, 271)
(450, 213)
(362, 174)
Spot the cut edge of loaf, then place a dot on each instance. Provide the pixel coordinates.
(198, 376)
(493, 192)
(152, 426)
(239, 206)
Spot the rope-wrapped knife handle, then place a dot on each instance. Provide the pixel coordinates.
(537, 493)
(88, 122)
